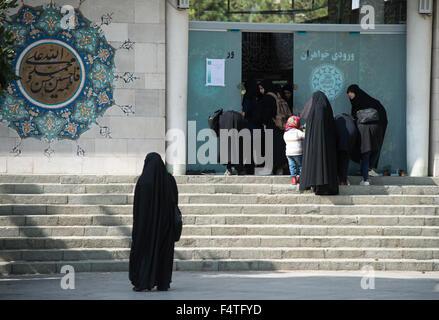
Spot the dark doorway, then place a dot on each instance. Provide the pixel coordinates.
(268, 56)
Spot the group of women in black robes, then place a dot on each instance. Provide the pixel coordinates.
(152, 246)
(156, 193)
(330, 142)
(260, 108)
(342, 138)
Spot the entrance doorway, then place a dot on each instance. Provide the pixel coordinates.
(268, 56)
(257, 55)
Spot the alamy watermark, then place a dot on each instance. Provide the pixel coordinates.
(368, 279)
(235, 146)
(368, 20)
(69, 20)
(68, 281)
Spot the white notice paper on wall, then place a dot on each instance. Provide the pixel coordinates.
(215, 69)
(355, 4)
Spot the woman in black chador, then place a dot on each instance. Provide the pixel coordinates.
(236, 157)
(371, 134)
(347, 138)
(319, 165)
(268, 110)
(249, 102)
(152, 247)
(287, 95)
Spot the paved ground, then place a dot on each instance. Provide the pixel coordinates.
(231, 286)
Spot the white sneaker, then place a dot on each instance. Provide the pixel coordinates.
(364, 183)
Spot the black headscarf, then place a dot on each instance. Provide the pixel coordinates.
(249, 101)
(372, 136)
(267, 84)
(251, 88)
(319, 168)
(152, 247)
(289, 88)
(267, 103)
(364, 101)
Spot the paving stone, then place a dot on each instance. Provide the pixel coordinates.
(237, 265)
(189, 265)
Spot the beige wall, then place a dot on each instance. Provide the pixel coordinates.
(133, 136)
(434, 110)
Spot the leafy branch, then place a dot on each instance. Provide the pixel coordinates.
(7, 39)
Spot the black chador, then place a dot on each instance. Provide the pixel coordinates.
(372, 135)
(347, 136)
(319, 169)
(152, 247)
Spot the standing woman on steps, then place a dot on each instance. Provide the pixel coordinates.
(152, 247)
(319, 164)
(371, 133)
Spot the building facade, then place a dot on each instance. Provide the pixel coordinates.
(112, 114)
(142, 83)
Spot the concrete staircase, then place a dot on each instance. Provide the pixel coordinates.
(230, 223)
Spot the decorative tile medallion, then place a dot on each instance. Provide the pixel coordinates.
(328, 79)
(66, 75)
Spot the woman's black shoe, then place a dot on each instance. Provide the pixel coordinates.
(140, 290)
(162, 288)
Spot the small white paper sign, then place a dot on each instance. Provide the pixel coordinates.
(355, 4)
(215, 69)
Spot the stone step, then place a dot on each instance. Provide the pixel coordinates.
(210, 188)
(95, 179)
(221, 209)
(49, 267)
(121, 199)
(52, 209)
(256, 241)
(222, 219)
(66, 179)
(309, 241)
(47, 188)
(309, 199)
(354, 180)
(279, 189)
(75, 254)
(307, 209)
(106, 199)
(311, 219)
(224, 253)
(306, 264)
(224, 230)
